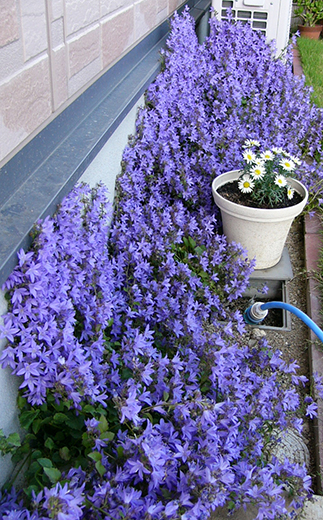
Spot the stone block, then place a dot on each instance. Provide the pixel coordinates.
(57, 33)
(82, 79)
(145, 18)
(312, 247)
(161, 5)
(173, 5)
(109, 6)
(11, 59)
(117, 35)
(57, 9)
(60, 77)
(9, 30)
(34, 27)
(25, 103)
(162, 10)
(313, 224)
(80, 14)
(313, 509)
(83, 49)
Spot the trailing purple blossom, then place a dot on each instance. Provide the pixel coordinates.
(55, 327)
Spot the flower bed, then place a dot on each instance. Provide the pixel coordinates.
(138, 400)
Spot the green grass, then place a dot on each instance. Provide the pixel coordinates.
(311, 53)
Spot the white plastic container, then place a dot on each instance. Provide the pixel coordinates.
(262, 232)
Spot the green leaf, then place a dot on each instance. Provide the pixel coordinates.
(231, 505)
(95, 455)
(20, 453)
(60, 418)
(100, 468)
(49, 443)
(45, 463)
(36, 425)
(107, 436)
(53, 474)
(120, 451)
(199, 250)
(34, 468)
(165, 395)
(186, 242)
(126, 373)
(14, 439)
(86, 440)
(28, 417)
(75, 422)
(21, 401)
(191, 242)
(64, 453)
(103, 424)
(88, 408)
(149, 416)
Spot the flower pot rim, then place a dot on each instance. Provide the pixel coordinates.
(261, 213)
(318, 25)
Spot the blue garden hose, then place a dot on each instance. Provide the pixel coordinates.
(257, 312)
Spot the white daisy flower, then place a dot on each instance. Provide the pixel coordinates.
(257, 172)
(249, 156)
(251, 142)
(280, 180)
(259, 162)
(287, 164)
(267, 155)
(290, 192)
(246, 184)
(277, 150)
(295, 160)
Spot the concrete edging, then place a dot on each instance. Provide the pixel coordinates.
(313, 242)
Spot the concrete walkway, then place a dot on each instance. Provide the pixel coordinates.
(313, 510)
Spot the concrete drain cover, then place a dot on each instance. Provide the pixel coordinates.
(290, 445)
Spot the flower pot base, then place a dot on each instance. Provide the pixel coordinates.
(313, 33)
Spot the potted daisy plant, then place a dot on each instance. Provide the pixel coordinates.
(259, 202)
(311, 12)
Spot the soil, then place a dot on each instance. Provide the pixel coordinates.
(294, 344)
(230, 191)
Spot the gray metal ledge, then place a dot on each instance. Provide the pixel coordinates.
(37, 178)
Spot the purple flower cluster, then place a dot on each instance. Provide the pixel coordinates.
(62, 300)
(133, 315)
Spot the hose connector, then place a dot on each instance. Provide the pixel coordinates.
(255, 314)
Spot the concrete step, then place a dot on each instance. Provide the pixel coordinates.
(313, 509)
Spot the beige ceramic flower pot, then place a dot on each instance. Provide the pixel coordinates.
(262, 232)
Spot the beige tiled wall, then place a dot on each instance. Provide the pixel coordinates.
(51, 50)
